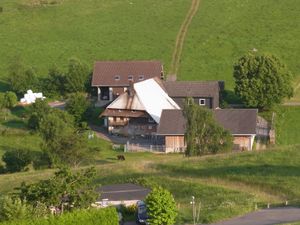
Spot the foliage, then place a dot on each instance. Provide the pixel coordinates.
(161, 207)
(21, 78)
(262, 80)
(74, 190)
(8, 100)
(76, 77)
(104, 216)
(54, 83)
(63, 143)
(17, 159)
(77, 105)
(38, 111)
(203, 134)
(14, 209)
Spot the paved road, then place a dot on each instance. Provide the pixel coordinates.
(266, 217)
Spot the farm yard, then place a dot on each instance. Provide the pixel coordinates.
(227, 185)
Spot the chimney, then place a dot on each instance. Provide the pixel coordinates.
(130, 89)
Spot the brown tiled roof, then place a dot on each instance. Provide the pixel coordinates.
(171, 122)
(105, 71)
(123, 113)
(192, 88)
(237, 121)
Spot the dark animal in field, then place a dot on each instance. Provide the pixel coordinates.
(121, 157)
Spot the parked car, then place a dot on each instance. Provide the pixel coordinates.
(142, 216)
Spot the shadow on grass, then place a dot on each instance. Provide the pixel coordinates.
(3, 86)
(20, 111)
(232, 171)
(15, 124)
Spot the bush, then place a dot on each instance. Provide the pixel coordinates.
(16, 160)
(41, 160)
(14, 209)
(77, 105)
(105, 216)
(10, 99)
(161, 207)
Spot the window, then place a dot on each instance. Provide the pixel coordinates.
(130, 77)
(141, 77)
(149, 127)
(150, 120)
(117, 77)
(201, 101)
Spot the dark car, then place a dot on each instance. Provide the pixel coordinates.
(142, 216)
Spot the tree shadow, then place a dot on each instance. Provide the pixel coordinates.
(4, 86)
(264, 170)
(19, 124)
(230, 97)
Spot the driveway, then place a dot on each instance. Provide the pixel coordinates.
(266, 217)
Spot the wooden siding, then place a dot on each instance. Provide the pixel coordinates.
(174, 143)
(242, 142)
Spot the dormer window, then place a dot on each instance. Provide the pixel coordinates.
(130, 77)
(141, 77)
(117, 77)
(201, 101)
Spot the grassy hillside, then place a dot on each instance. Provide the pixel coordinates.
(226, 185)
(224, 30)
(288, 125)
(93, 30)
(90, 30)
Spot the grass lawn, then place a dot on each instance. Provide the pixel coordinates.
(90, 30)
(226, 185)
(288, 125)
(222, 31)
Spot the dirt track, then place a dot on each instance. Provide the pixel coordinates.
(181, 36)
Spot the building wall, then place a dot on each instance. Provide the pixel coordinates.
(131, 126)
(180, 101)
(242, 142)
(174, 143)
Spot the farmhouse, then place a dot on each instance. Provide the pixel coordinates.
(112, 78)
(137, 111)
(240, 122)
(204, 93)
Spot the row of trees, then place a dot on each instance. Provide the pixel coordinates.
(57, 83)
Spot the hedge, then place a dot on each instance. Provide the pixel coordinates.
(106, 216)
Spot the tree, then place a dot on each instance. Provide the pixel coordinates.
(53, 85)
(21, 78)
(161, 207)
(16, 160)
(38, 111)
(62, 142)
(262, 80)
(203, 134)
(73, 190)
(77, 105)
(10, 99)
(76, 77)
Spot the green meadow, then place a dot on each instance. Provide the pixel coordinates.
(224, 30)
(93, 30)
